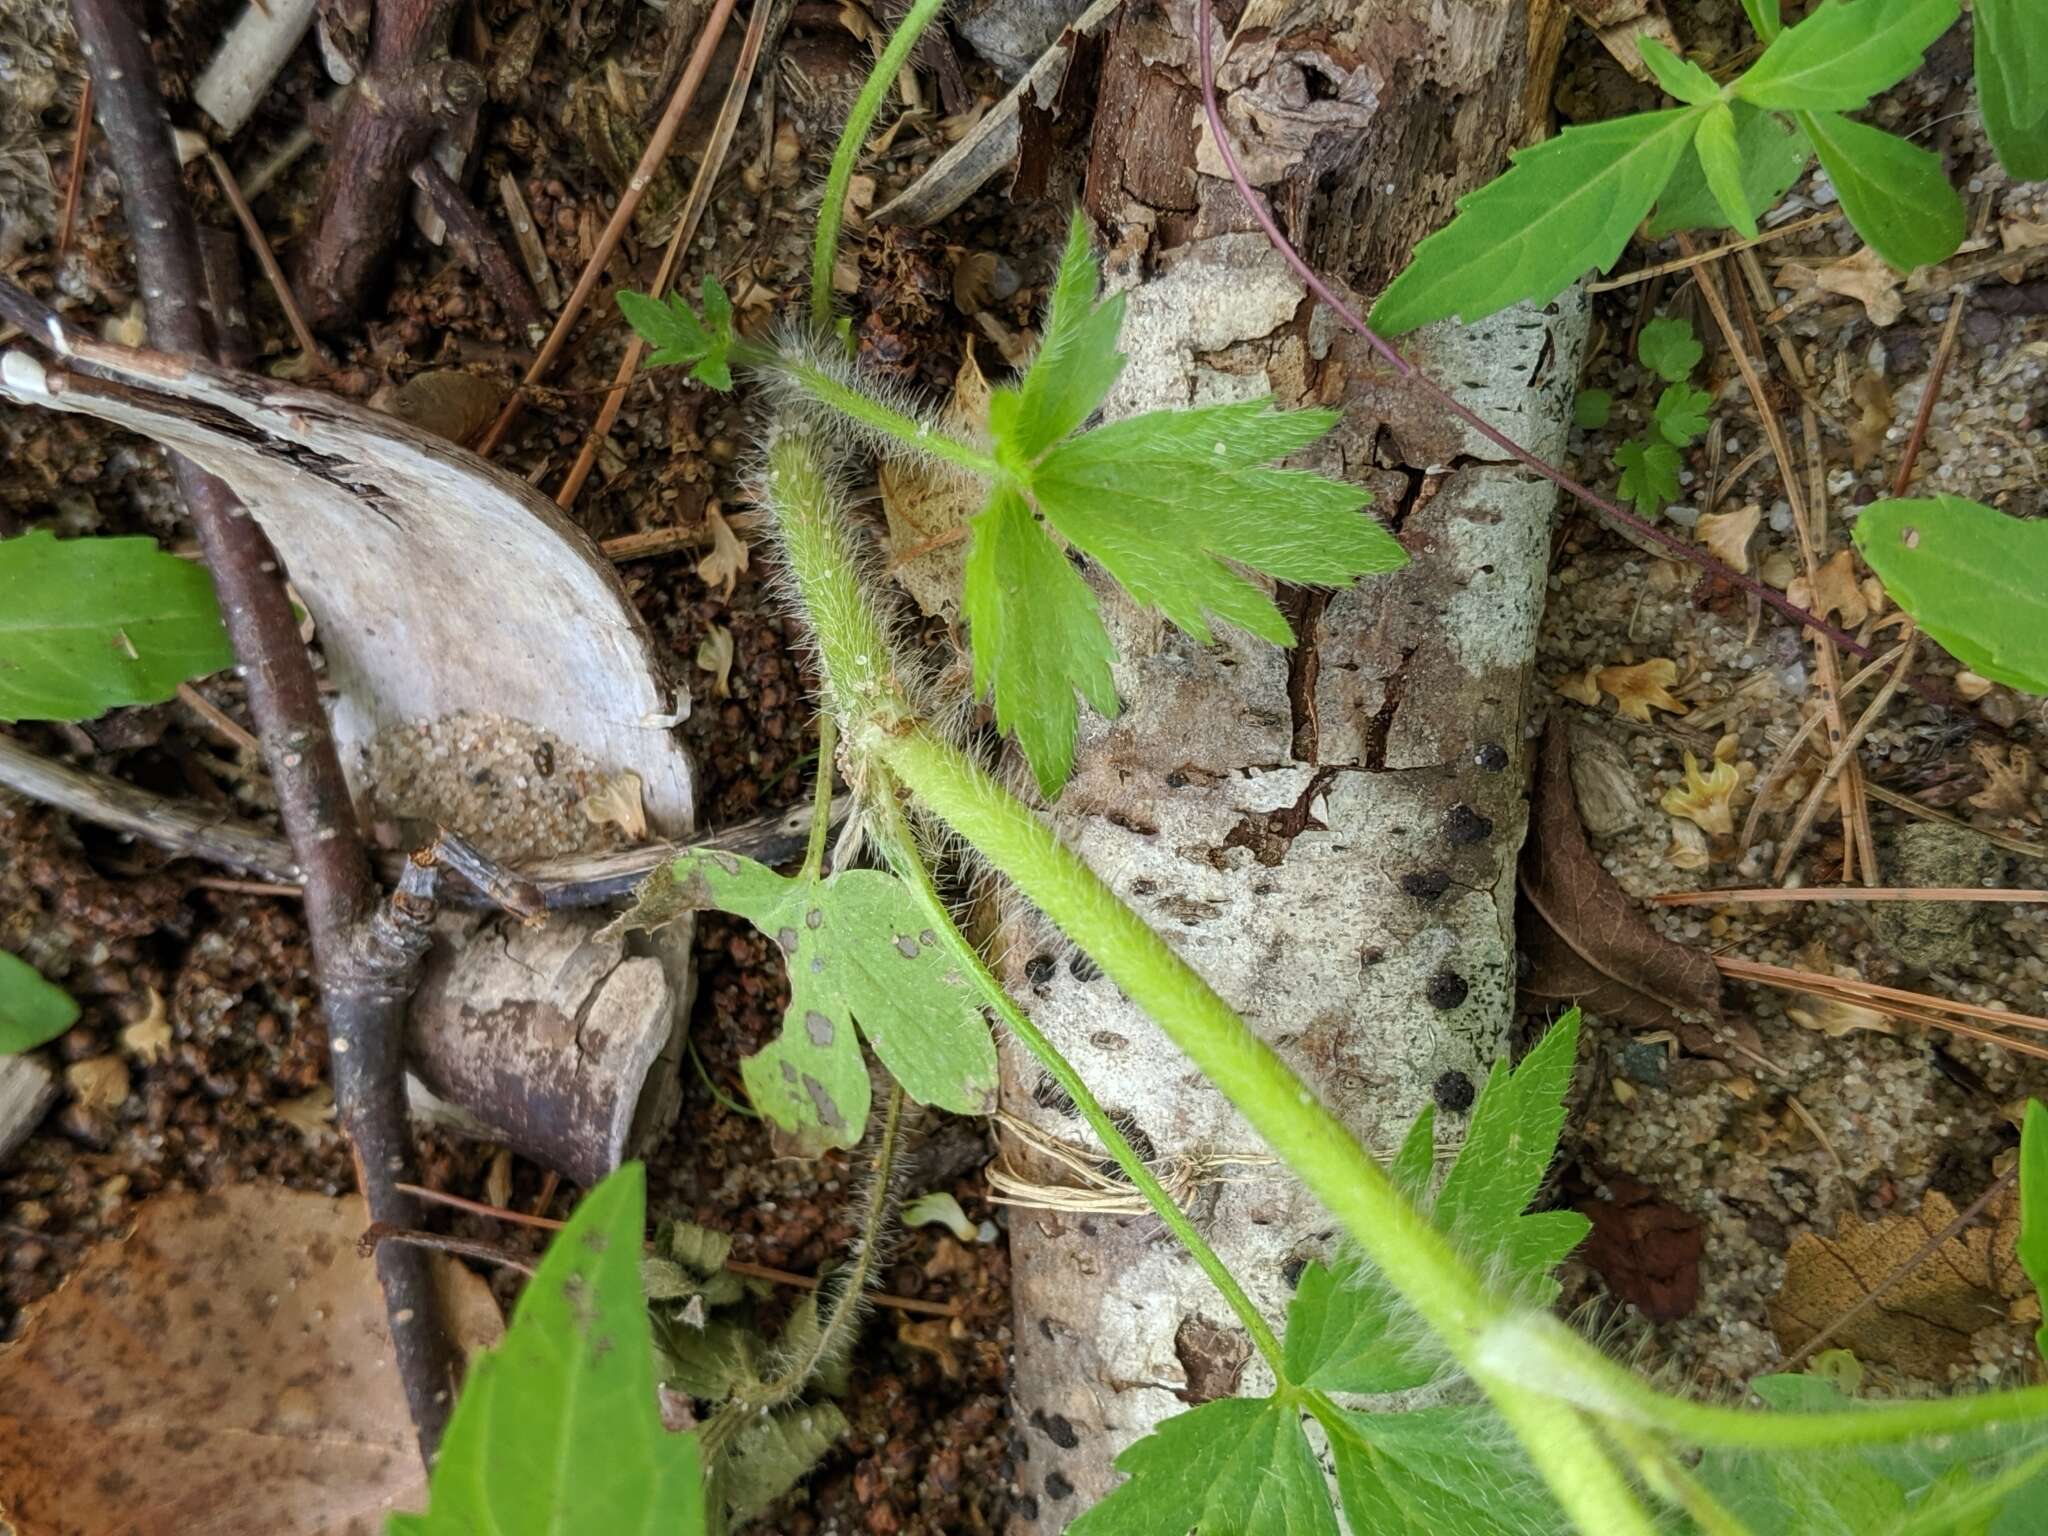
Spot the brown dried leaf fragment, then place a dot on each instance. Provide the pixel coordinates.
(1643, 1247)
(1580, 687)
(1836, 1017)
(928, 509)
(1873, 399)
(2011, 780)
(1863, 277)
(728, 558)
(1706, 799)
(1834, 589)
(1643, 687)
(714, 655)
(1585, 940)
(1727, 534)
(149, 1037)
(1922, 1325)
(227, 1368)
(98, 1083)
(617, 802)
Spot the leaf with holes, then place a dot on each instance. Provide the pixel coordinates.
(557, 1430)
(1562, 207)
(32, 1010)
(87, 625)
(859, 950)
(1974, 579)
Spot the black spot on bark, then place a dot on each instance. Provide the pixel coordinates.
(1056, 1428)
(1493, 757)
(1057, 1487)
(1176, 780)
(1464, 826)
(1426, 885)
(1447, 989)
(1454, 1092)
(1292, 1270)
(1039, 968)
(1027, 1505)
(1082, 969)
(1144, 887)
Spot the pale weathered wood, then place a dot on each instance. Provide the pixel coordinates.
(1328, 834)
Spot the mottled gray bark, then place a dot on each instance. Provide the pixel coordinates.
(1328, 834)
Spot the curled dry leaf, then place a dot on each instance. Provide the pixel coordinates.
(447, 402)
(1836, 1017)
(1706, 799)
(1643, 687)
(1972, 687)
(1727, 534)
(714, 655)
(149, 1036)
(311, 1115)
(616, 802)
(1921, 1326)
(2011, 780)
(1646, 1249)
(98, 1082)
(226, 1369)
(727, 561)
(1580, 687)
(1834, 589)
(1863, 277)
(1873, 399)
(1586, 942)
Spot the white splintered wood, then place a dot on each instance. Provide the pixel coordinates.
(1355, 906)
(248, 59)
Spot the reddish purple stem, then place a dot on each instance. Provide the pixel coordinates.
(1417, 379)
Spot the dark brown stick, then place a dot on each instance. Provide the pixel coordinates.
(74, 177)
(364, 959)
(407, 90)
(480, 249)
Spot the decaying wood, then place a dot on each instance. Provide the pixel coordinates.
(27, 1090)
(256, 47)
(1329, 835)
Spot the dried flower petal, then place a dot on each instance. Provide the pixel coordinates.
(617, 802)
(98, 1082)
(1727, 534)
(1834, 1017)
(1705, 799)
(1643, 687)
(728, 558)
(2011, 780)
(1580, 687)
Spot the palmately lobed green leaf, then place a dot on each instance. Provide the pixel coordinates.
(1973, 578)
(1562, 208)
(2011, 42)
(89, 625)
(1681, 78)
(33, 1011)
(1844, 53)
(1239, 1467)
(1897, 195)
(860, 953)
(1345, 1333)
(1772, 154)
(1649, 473)
(1077, 362)
(1681, 413)
(557, 1431)
(1453, 1470)
(679, 338)
(1669, 349)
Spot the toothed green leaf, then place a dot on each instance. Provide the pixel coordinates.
(1680, 78)
(1563, 207)
(1844, 53)
(87, 625)
(1649, 474)
(32, 1010)
(679, 338)
(1973, 578)
(1077, 361)
(1681, 413)
(859, 950)
(557, 1429)
(2011, 40)
(1446, 1471)
(1239, 1467)
(1592, 408)
(1896, 194)
(1669, 349)
(1721, 162)
(1771, 153)
(772, 1454)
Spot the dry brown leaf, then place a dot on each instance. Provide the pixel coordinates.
(974, 281)
(714, 655)
(1580, 687)
(1586, 942)
(498, 1179)
(98, 1082)
(2022, 234)
(1778, 570)
(1705, 799)
(1972, 687)
(1873, 399)
(616, 802)
(1643, 687)
(2011, 780)
(149, 1036)
(1836, 1017)
(728, 558)
(310, 1114)
(1863, 277)
(1922, 1325)
(1834, 589)
(446, 402)
(927, 508)
(1727, 534)
(226, 1369)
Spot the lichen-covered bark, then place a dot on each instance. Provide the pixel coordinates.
(1328, 834)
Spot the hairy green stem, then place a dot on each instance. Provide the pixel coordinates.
(855, 134)
(821, 795)
(909, 863)
(1674, 1482)
(864, 410)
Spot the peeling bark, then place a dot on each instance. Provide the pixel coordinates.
(1330, 834)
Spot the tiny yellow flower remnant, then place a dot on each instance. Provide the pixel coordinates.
(1706, 799)
(1642, 687)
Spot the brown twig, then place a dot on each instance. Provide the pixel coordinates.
(1682, 263)
(364, 954)
(1791, 979)
(1913, 807)
(733, 1266)
(1936, 372)
(222, 723)
(378, 1233)
(657, 149)
(1764, 895)
(479, 247)
(74, 178)
(686, 229)
(272, 272)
